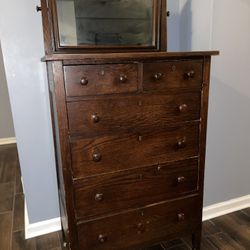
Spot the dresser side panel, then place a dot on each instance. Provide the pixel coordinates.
(63, 159)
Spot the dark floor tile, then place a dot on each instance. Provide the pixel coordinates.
(236, 226)
(18, 220)
(224, 242)
(207, 245)
(6, 196)
(7, 172)
(241, 218)
(246, 211)
(208, 228)
(5, 230)
(48, 242)
(8, 148)
(8, 163)
(19, 242)
(19, 185)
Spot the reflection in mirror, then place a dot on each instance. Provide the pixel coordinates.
(106, 22)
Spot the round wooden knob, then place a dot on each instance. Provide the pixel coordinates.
(139, 225)
(181, 216)
(95, 118)
(99, 197)
(84, 81)
(183, 108)
(123, 78)
(97, 156)
(141, 228)
(190, 74)
(181, 179)
(158, 76)
(181, 143)
(102, 238)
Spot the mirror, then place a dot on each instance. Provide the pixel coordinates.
(100, 23)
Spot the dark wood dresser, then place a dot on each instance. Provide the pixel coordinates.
(130, 136)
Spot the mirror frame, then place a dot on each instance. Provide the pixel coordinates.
(52, 38)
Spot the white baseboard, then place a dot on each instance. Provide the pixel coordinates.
(225, 207)
(209, 212)
(5, 141)
(40, 228)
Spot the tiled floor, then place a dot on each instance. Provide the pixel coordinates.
(229, 232)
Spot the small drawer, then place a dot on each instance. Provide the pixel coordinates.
(115, 152)
(141, 227)
(173, 76)
(112, 193)
(100, 79)
(132, 113)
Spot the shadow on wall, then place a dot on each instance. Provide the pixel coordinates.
(228, 146)
(173, 26)
(186, 26)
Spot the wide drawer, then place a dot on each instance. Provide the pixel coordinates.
(100, 79)
(172, 75)
(113, 152)
(106, 194)
(141, 227)
(132, 113)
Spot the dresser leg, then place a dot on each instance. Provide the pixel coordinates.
(196, 240)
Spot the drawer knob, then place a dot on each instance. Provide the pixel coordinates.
(84, 81)
(181, 216)
(102, 238)
(123, 78)
(95, 118)
(99, 197)
(158, 76)
(190, 74)
(181, 143)
(181, 179)
(183, 108)
(97, 156)
(141, 228)
(139, 225)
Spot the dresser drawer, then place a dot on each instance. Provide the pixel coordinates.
(140, 227)
(172, 75)
(111, 152)
(132, 113)
(106, 194)
(100, 79)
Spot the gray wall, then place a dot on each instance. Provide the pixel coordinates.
(173, 25)
(208, 24)
(6, 122)
(228, 152)
(22, 46)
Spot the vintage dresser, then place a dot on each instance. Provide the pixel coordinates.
(129, 126)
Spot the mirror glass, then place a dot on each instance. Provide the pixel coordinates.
(105, 22)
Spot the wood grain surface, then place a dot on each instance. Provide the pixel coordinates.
(125, 151)
(135, 188)
(131, 113)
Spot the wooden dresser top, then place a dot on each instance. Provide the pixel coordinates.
(138, 56)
